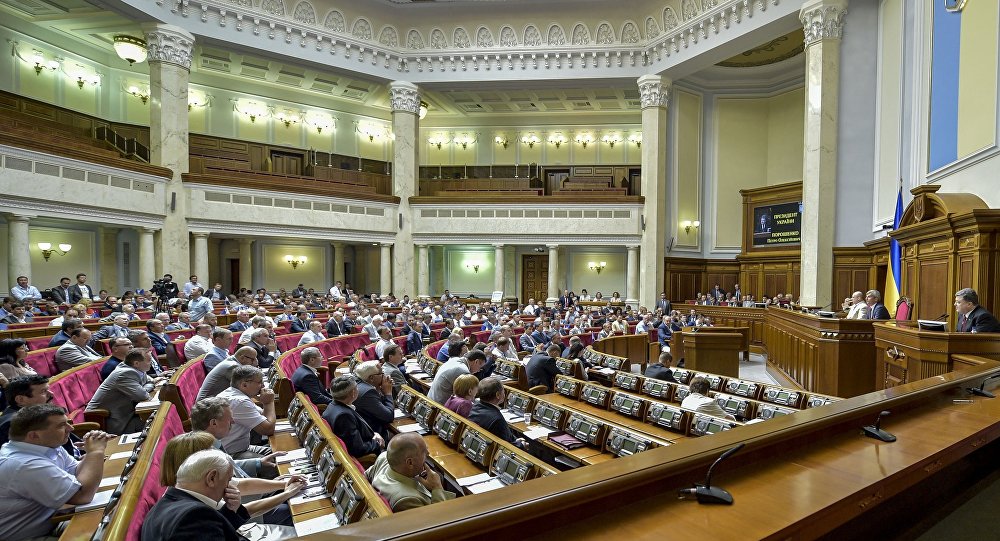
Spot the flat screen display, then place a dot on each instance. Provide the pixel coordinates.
(777, 225)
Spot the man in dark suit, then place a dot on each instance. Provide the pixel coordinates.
(971, 316)
(80, 289)
(60, 293)
(242, 322)
(486, 412)
(126, 386)
(566, 300)
(374, 403)
(358, 437)
(663, 305)
(301, 322)
(718, 293)
(267, 350)
(877, 310)
(306, 378)
(184, 512)
(336, 326)
(542, 369)
(661, 369)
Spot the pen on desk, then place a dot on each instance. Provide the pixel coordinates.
(962, 401)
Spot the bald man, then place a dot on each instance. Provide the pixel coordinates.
(401, 475)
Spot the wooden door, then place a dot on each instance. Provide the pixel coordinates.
(534, 278)
(285, 163)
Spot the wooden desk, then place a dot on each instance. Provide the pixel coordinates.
(905, 353)
(83, 525)
(714, 352)
(636, 347)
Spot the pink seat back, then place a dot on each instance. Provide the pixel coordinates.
(39, 342)
(903, 311)
(43, 361)
(152, 490)
(189, 382)
(286, 342)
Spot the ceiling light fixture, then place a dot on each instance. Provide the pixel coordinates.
(130, 48)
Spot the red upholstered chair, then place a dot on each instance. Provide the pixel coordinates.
(43, 361)
(904, 308)
(39, 342)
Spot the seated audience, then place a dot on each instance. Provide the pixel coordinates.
(190, 510)
(39, 476)
(358, 437)
(76, 352)
(199, 344)
(441, 387)
(374, 403)
(700, 402)
(541, 368)
(392, 367)
(401, 476)
(247, 383)
(119, 347)
(220, 377)
(13, 352)
(486, 412)
(465, 389)
(24, 391)
(221, 340)
(661, 368)
(214, 416)
(120, 328)
(314, 334)
(305, 379)
(126, 386)
(265, 346)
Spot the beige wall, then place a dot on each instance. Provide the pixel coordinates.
(688, 108)
(462, 280)
(275, 273)
(612, 278)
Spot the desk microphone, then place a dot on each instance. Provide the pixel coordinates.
(875, 430)
(942, 317)
(979, 391)
(706, 493)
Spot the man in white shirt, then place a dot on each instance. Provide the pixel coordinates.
(22, 290)
(530, 309)
(200, 343)
(335, 291)
(384, 340)
(198, 306)
(314, 334)
(859, 308)
(248, 382)
(191, 284)
(700, 402)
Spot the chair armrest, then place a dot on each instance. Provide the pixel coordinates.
(538, 389)
(82, 428)
(97, 416)
(367, 460)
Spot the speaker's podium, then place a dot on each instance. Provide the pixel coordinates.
(906, 352)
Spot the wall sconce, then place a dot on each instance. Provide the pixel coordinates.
(130, 49)
(370, 131)
(530, 140)
(465, 140)
(557, 139)
(611, 139)
(83, 78)
(250, 109)
(688, 224)
(474, 265)
(139, 93)
(584, 139)
(597, 266)
(47, 250)
(320, 121)
(287, 118)
(636, 138)
(422, 112)
(502, 141)
(438, 140)
(198, 100)
(295, 261)
(36, 60)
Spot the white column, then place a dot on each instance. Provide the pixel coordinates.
(654, 93)
(18, 246)
(246, 263)
(823, 21)
(338, 262)
(169, 50)
(147, 257)
(201, 258)
(510, 287)
(385, 269)
(632, 275)
(553, 274)
(109, 259)
(423, 272)
(498, 269)
(404, 100)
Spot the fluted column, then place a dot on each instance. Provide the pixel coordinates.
(423, 272)
(385, 269)
(654, 93)
(169, 49)
(404, 100)
(246, 264)
(147, 257)
(109, 259)
(338, 262)
(498, 269)
(201, 258)
(553, 274)
(632, 275)
(823, 22)
(18, 246)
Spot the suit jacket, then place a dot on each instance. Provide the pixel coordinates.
(179, 516)
(264, 356)
(298, 325)
(61, 296)
(527, 342)
(659, 371)
(542, 370)
(376, 409)
(858, 311)
(879, 311)
(218, 378)
(239, 326)
(540, 337)
(108, 331)
(978, 320)
(69, 355)
(335, 329)
(109, 367)
(304, 380)
(401, 491)
(663, 333)
(349, 426)
(119, 394)
(489, 417)
(414, 342)
(75, 294)
(664, 305)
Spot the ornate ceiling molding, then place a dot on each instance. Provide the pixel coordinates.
(629, 49)
(272, 230)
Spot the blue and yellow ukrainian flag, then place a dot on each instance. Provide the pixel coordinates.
(894, 274)
(963, 80)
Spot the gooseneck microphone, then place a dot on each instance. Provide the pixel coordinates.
(706, 493)
(979, 391)
(875, 430)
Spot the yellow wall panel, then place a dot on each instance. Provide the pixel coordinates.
(785, 124)
(688, 108)
(277, 273)
(977, 77)
(741, 161)
(42, 86)
(889, 108)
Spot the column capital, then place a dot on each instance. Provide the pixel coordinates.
(552, 246)
(654, 90)
(632, 247)
(385, 244)
(498, 245)
(404, 96)
(200, 234)
(149, 230)
(823, 19)
(167, 43)
(18, 217)
(337, 243)
(421, 245)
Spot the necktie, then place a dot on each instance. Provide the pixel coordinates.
(965, 323)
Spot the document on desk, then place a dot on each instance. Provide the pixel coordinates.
(120, 454)
(415, 427)
(282, 426)
(292, 455)
(473, 479)
(109, 482)
(418, 375)
(148, 404)
(309, 496)
(318, 524)
(129, 438)
(536, 432)
(100, 500)
(398, 414)
(487, 486)
(606, 371)
(511, 416)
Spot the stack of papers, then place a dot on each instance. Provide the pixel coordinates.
(310, 495)
(100, 500)
(485, 486)
(536, 432)
(318, 524)
(148, 404)
(291, 456)
(418, 375)
(512, 417)
(413, 427)
(109, 482)
(121, 454)
(398, 414)
(473, 479)
(606, 371)
(282, 426)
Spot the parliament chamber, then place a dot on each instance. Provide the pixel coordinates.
(792, 197)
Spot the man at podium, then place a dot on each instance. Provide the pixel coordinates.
(971, 316)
